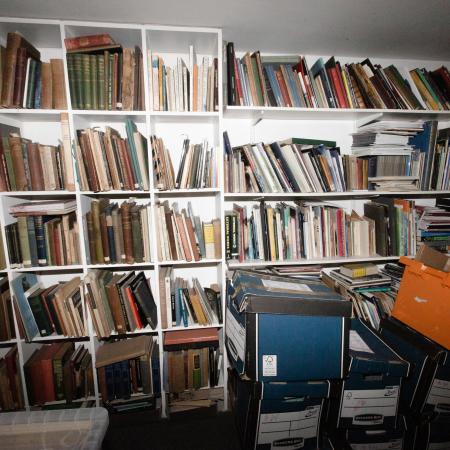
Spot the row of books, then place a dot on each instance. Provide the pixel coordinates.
(59, 371)
(184, 87)
(183, 236)
(186, 303)
(197, 168)
(291, 231)
(7, 329)
(118, 234)
(293, 165)
(433, 226)
(42, 236)
(107, 161)
(287, 81)
(128, 373)
(47, 311)
(30, 166)
(120, 303)
(26, 81)
(11, 393)
(105, 76)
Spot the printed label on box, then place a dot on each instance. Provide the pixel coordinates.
(439, 395)
(394, 444)
(369, 406)
(357, 343)
(236, 334)
(289, 430)
(269, 365)
(285, 285)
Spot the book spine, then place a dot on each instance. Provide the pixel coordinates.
(86, 81)
(101, 81)
(81, 42)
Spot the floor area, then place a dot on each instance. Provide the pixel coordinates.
(194, 430)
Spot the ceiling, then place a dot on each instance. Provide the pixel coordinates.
(409, 29)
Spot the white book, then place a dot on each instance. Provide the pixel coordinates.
(27, 75)
(155, 72)
(191, 78)
(204, 82)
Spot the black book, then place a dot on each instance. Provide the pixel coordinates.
(378, 212)
(214, 301)
(187, 300)
(265, 232)
(39, 313)
(391, 224)
(144, 298)
(287, 170)
(231, 79)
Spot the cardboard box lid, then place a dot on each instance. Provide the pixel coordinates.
(262, 293)
(432, 258)
(370, 354)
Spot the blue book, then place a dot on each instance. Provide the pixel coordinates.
(156, 374)
(38, 86)
(126, 379)
(177, 307)
(274, 84)
(184, 313)
(109, 376)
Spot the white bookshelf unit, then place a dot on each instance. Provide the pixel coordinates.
(243, 124)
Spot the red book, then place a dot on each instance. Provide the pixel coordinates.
(94, 40)
(283, 88)
(240, 92)
(332, 72)
(340, 233)
(299, 69)
(133, 306)
(341, 84)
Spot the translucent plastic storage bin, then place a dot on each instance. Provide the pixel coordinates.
(74, 429)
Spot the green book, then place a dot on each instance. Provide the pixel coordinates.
(60, 358)
(24, 243)
(70, 70)
(86, 81)
(9, 164)
(39, 313)
(257, 81)
(101, 81)
(31, 84)
(429, 88)
(32, 240)
(110, 80)
(78, 80)
(93, 78)
(136, 229)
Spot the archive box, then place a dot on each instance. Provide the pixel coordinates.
(279, 414)
(423, 301)
(286, 329)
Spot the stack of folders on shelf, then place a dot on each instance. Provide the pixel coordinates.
(294, 230)
(184, 87)
(7, 330)
(45, 234)
(392, 163)
(433, 227)
(128, 373)
(106, 161)
(439, 159)
(197, 168)
(49, 311)
(57, 372)
(292, 165)
(194, 361)
(27, 82)
(183, 236)
(11, 393)
(30, 166)
(118, 234)
(287, 81)
(120, 303)
(368, 288)
(103, 75)
(185, 304)
(395, 225)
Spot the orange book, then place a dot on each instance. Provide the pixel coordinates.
(133, 307)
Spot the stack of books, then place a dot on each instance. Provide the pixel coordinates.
(290, 231)
(197, 168)
(45, 234)
(287, 81)
(118, 234)
(57, 372)
(30, 166)
(7, 330)
(193, 360)
(183, 236)
(106, 161)
(26, 81)
(292, 165)
(184, 87)
(128, 373)
(185, 304)
(48, 311)
(392, 163)
(120, 303)
(11, 393)
(433, 226)
(103, 75)
(395, 272)
(440, 171)
(368, 288)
